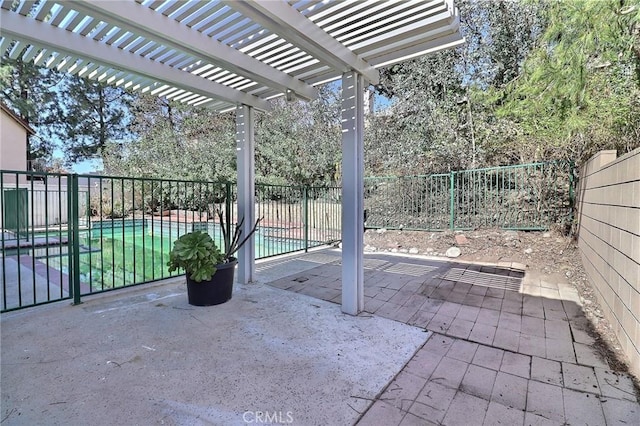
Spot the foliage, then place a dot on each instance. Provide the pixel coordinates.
(296, 142)
(175, 142)
(535, 81)
(30, 91)
(435, 123)
(103, 205)
(580, 88)
(299, 142)
(91, 115)
(51, 165)
(76, 115)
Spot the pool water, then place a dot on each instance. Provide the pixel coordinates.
(120, 256)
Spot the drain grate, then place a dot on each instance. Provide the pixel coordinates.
(483, 279)
(410, 269)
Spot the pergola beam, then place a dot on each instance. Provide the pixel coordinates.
(442, 43)
(245, 151)
(280, 18)
(62, 41)
(352, 193)
(171, 33)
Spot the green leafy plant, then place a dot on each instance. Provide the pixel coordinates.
(198, 254)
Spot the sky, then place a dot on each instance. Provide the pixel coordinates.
(82, 167)
(87, 166)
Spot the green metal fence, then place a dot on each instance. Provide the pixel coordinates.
(296, 218)
(528, 197)
(43, 204)
(68, 236)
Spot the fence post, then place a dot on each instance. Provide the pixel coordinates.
(574, 214)
(572, 167)
(75, 236)
(305, 212)
(451, 200)
(227, 203)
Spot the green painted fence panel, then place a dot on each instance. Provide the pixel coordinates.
(529, 197)
(86, 234)
(15, 212)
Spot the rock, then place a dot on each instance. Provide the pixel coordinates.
(453, 252)
(381, 231)
(413, 250)
(429, 250)
(510, 234)
(461, 240)
(370, 248)
(402, 250)
(340, 245)
(546, 235)
(528, 250)
(394, 250)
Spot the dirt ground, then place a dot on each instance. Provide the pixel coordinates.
(548, 253)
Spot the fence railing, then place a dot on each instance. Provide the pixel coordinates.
(528, 197)
(68, 236)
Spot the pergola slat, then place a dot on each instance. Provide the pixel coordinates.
(74, 44)
(237, 55)
(171, 33)
(272, 47)
(285, 21)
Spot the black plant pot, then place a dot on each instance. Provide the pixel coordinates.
(215, 291)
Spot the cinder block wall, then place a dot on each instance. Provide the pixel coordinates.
(609, 241)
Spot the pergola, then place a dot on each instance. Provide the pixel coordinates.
(238, 54)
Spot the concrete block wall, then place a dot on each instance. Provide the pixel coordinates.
(609, 241)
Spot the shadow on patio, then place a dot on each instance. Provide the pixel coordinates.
(506, 349)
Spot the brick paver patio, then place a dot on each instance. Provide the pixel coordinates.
(507, 348)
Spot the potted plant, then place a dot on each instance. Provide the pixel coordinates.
(209, 270)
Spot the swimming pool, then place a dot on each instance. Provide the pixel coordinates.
(122, 253)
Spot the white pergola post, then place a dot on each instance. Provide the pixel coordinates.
(246, 190)
(352, 193)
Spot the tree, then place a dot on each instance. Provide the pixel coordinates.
(175, 141)
(77, 115)
(91, 114)
(299, 142)
(30, 91)
(296, 142)
(436, 122)
(580, 88)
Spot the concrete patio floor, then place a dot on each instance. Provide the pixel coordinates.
(502, 348)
